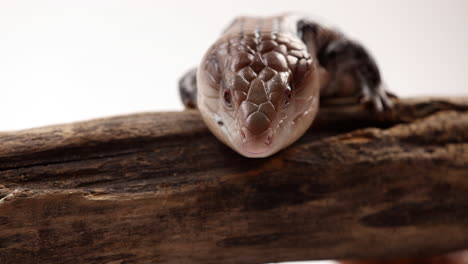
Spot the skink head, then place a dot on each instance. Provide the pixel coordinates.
(258, 94)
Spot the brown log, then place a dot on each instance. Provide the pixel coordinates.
(159, 188)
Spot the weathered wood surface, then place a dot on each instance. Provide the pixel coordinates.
(158, 188)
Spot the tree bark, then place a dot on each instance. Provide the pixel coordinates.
(159, 188)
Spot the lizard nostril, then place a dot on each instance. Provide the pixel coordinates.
(269, 137)
(242, 135)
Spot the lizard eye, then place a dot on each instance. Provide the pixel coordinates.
(227, 97)
(287, 97)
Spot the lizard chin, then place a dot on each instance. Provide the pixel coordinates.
(256, 146)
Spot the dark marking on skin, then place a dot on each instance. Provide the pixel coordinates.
(249, 240)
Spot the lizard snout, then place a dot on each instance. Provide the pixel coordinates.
(256, 144)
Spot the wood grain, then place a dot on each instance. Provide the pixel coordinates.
(159, 188)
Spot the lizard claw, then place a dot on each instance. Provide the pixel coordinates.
(378, 99)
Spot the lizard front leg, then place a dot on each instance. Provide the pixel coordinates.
(350, 71)
(188, 88)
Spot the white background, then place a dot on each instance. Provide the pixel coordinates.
(62, 61)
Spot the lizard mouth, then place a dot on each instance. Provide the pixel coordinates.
(256, 145)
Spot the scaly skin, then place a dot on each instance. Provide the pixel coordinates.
(259, 84)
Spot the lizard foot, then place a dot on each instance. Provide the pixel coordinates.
(377, 99)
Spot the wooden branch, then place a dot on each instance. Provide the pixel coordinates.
(159, 188)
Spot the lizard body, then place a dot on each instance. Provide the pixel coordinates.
(259, 85)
